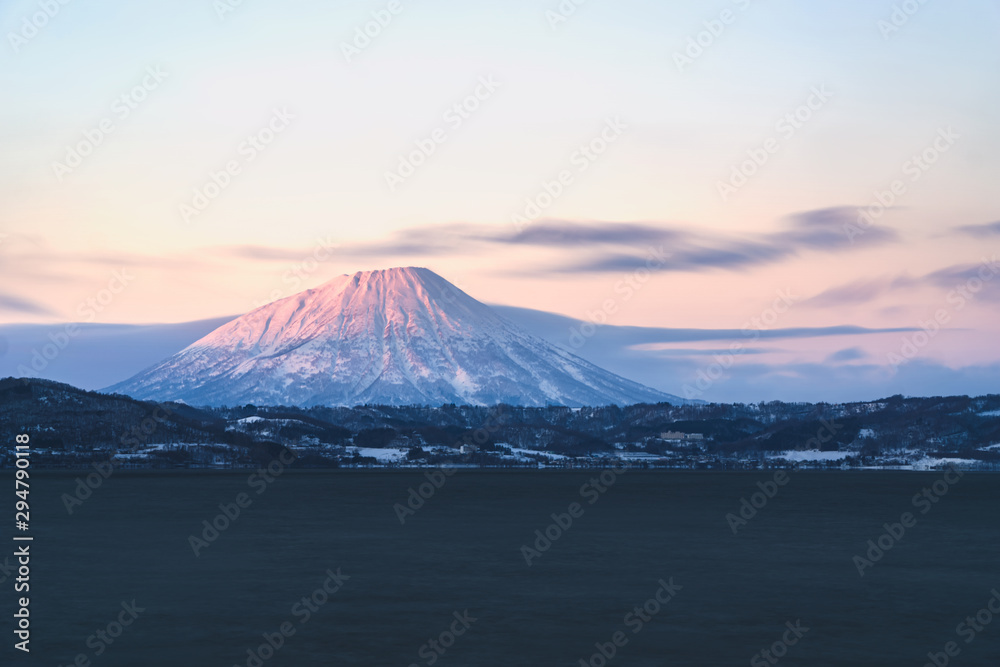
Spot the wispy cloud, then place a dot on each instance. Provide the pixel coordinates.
(263, 253)
(980, 279)
(666, 349)
(951, 277)
(24, 306)
(563, 233)
(990, 229)
(686, 335)
(847, 354)
(821, 230)
(606, 246)
(859, 291)
(112, 259)
(557, 328)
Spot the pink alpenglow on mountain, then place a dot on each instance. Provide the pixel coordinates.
(401, 336)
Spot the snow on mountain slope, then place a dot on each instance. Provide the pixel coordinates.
(396, 336)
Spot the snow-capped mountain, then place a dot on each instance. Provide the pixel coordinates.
(397, 336)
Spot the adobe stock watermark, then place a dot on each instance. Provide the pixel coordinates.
(451, 291)
(121, 109)
(259, 481)
(300, 271)
(436, 479)
(786, 128)
(87, 310)
(701, 42)
(624, 289)
(752, 506)
(455, 116)
(900, 16)
(580, 161)
(301, 611)
(418, 496)
(224, 8)
(365, 34)
(967, 630)
(913, 170)
(895, 532)
(103, 638)
(706, 377)
(435, 648)
(779, 649)
(139, 435)
(635, 620)
(246, 152)
(7, 569)
(32, 25)
(957, 299)
(758, 501)
(591, 491)
(562, 13)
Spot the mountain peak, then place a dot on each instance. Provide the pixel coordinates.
(403, 335)
(410, 274)
(399, 271)
(386, 284)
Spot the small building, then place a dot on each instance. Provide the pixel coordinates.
(469, 449)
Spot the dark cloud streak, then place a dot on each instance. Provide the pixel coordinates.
(25, 306)
(987, 230)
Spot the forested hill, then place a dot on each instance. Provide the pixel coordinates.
(64, 420)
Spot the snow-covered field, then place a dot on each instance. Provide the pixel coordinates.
(813, 455)
(381, 455)
(535, 452)
(928, 463)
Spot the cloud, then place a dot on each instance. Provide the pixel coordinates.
(754, 378)
(584, 247)
(25, 306)
(112, 260)
(608, 246)
(567, 233)
(101, 354)
(821, 230)
(981, 231)
(953, 276)
(264, 253)
(847, 354)
(980, 280)
(859, 291)
(825, 229)
(691, 258)
(560, 328)
(104, 354)
(667, 349)
(432, 240)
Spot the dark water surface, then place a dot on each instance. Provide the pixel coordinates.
(462, 552)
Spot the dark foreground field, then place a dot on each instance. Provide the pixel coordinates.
(452, 586)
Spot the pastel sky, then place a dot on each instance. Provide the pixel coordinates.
(733, 145)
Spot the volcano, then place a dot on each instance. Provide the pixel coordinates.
(401, 336)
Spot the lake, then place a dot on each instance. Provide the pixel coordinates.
(640, 568)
